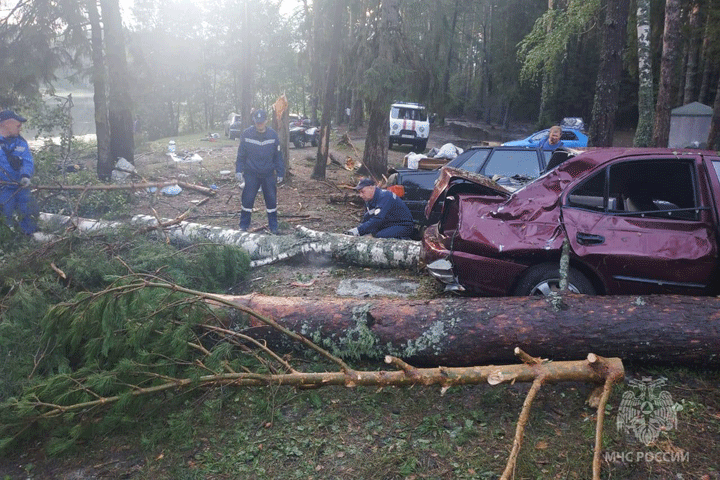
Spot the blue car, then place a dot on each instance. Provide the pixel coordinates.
(571, 138)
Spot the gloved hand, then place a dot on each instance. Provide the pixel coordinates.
(25, 182)
(279, 179)
(239, 177)
(353, 231)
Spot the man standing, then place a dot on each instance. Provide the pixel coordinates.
(387, 216)
(552, 142)
(259, 164)
(16, 169)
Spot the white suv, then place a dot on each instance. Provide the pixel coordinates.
(409, 125)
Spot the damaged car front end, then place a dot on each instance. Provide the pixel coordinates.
(636, 221)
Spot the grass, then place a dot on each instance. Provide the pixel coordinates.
(407, 433)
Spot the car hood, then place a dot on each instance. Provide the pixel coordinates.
(486, 186)
(525, 221)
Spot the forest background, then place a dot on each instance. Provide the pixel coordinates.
(182, 66)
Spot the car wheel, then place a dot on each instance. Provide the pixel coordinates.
(390, 144)
(420, 147)
(298, 144)
(314, 142)
(543, 279)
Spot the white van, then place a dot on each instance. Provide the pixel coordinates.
(409, 125)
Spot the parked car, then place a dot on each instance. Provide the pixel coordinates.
(233, 126)
(638, 221)
(409, 125)
(570, 137)
(512, 167)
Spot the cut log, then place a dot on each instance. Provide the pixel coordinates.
(476, 331)
(363, 251)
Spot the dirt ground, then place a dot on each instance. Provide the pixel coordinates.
(327, 205)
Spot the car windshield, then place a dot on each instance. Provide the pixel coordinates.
(405, 113)
(509, 163)
(539, 136)
(472, 160)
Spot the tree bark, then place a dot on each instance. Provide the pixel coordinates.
(668, 76)
(376, 140)
(643, 132)
(713, 140)
(607, 86)
(329, 97)
(691, 68)
(247, 67)
(265, 249)
(122, 143)
(476, 331)
(102, 128)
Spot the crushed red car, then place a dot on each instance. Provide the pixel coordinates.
(638, 221)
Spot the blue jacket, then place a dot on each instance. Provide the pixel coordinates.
(545, 145)
(259, 153)
(384, 210)
(16, 161)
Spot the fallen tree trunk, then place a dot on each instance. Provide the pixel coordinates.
(124, 186)
(476, 331)
(265, 249)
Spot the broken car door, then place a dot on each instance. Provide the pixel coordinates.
(644, 225)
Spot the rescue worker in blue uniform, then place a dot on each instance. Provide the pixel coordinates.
(387, 216)
(16, 169)
(552, 142)
(259, 165)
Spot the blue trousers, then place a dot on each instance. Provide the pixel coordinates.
(253, 183)
(19, 199)
(395, 231)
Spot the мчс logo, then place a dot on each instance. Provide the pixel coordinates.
(646, 411)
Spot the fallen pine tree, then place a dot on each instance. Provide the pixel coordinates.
(159, 340)
(473, 331)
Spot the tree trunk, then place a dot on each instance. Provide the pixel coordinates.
(668, 77)
(476, 331)
(546, 89)
(705, 60)
(102, 129)
(120, 119)
(691, 68)
(713, 141)
(247, 68)
(376, 141)
(265, 249)
(329, 97)
(282, 127)
(643, 133)
(607, 86)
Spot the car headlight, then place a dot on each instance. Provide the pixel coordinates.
(421, 129)
(394, 127)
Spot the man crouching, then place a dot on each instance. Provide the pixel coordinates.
(387, 216)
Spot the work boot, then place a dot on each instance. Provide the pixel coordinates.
(244, 220)
(273, 222)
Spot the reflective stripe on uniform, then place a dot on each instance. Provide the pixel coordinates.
(260, 142)
(247, 209)
(271, 210)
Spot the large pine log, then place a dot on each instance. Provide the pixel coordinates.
(477, 331)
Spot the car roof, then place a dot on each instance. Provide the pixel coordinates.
(593, 157)
(408, 105)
